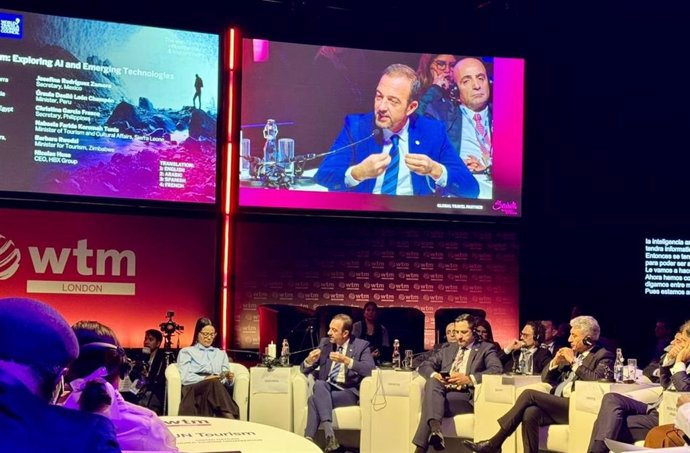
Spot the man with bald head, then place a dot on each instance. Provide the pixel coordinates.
(36, 346)
(474, 94)
(392, 151)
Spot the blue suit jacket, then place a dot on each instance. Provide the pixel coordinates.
(362, 366)
(426, 136)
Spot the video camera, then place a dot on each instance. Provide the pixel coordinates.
(169, 328)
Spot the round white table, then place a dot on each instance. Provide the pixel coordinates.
(207, 434)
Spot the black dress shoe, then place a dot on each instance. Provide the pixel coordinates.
(331, 444)
(437, 441)
(483, 446)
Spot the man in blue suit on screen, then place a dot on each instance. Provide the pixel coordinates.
(412, 155)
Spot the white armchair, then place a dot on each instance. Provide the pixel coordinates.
(553, 438)
(240, 388)
(668, 409)
(584, 407)
(344, 418)
(462, 426)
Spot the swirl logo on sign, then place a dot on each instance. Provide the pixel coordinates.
(9, 258)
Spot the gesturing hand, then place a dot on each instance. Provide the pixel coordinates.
(313, 357)
(371, 167)
(423, 165)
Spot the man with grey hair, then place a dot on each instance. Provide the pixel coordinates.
(583, 360)
(36, 346)
(392, 151)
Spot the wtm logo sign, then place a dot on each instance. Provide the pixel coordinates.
(99, 264)
(10, 256)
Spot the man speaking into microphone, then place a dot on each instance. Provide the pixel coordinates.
(342, 363)
(413, 156)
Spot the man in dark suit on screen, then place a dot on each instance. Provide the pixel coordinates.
(342, 363)
(584, 360)
(413, 156)
(451, 374)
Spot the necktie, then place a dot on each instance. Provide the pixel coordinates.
(390, 178)
(527, 357)
(570, 378)
(333, 375)
(457, 363)
(482, 136)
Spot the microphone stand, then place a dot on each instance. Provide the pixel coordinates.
(273, 174)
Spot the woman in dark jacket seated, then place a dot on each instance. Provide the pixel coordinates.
(374, 332)
(206, 377)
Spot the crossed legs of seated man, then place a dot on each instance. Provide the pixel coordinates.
(320, 407)
(533, 409)
(623, 419)
(438, 403)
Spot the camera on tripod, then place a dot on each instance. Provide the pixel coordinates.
(170, 328)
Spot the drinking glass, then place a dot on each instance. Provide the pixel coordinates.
(408, 359)
(286, 155)
(632, 370)
(245, 153)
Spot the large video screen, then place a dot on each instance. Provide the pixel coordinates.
(90, 108)
(345, 129)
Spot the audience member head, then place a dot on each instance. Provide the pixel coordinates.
(532, 334)
(396, 97)
(152, 340)
(584, 332)
(473, 84)
(465, 330)
(436, 69)
(204, 332)
(371, 312)
(47, 345)
(339, 329)
(98, 347)
(450, 332)
(101, 360)
(550, 330)
(483, 328)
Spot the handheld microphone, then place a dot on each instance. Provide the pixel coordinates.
(311, 156)
(334, 346)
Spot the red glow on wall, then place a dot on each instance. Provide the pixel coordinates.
(229, 181)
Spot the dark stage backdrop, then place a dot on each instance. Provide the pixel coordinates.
(311, 262)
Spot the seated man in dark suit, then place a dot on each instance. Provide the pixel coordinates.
(342, 362)
(36, 346)
(552, 341)
(414, 156)
(627, 420)
(451, 374)
(525, 356)
(584, 360)
(152, 394)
